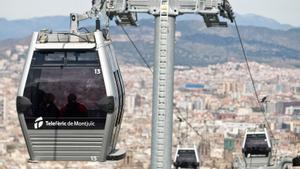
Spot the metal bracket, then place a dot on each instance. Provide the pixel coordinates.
(212, 20)
(127, 18)
(75, 19)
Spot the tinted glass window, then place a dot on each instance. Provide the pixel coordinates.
(121, 96)
(256, 139)
(63, 57)
(186, 155)
(50, 57)
(66, 87)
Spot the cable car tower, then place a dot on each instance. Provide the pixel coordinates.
(165, 13)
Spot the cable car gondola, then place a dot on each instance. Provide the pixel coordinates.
(186, 158)
(257, 143)
(70, 99)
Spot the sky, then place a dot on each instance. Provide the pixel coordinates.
(283, 11)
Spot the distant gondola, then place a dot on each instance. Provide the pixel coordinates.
(70, 99)
(257, 143)
(186, 158)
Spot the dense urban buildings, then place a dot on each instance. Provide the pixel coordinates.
(218, 101)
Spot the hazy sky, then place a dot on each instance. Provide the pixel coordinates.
(284, 11)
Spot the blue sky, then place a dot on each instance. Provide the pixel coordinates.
(284, 11)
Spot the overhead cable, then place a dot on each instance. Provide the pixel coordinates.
(251, 77)
(137, 50)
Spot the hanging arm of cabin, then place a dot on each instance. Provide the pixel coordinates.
(96, 11)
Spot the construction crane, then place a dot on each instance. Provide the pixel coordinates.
(165, 13)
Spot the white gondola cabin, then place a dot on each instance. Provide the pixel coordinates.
(186, 158)
(257, 143)
(70, 99)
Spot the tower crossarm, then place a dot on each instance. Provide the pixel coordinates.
(125, 11)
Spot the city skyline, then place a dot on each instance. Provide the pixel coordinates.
(221, 109)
